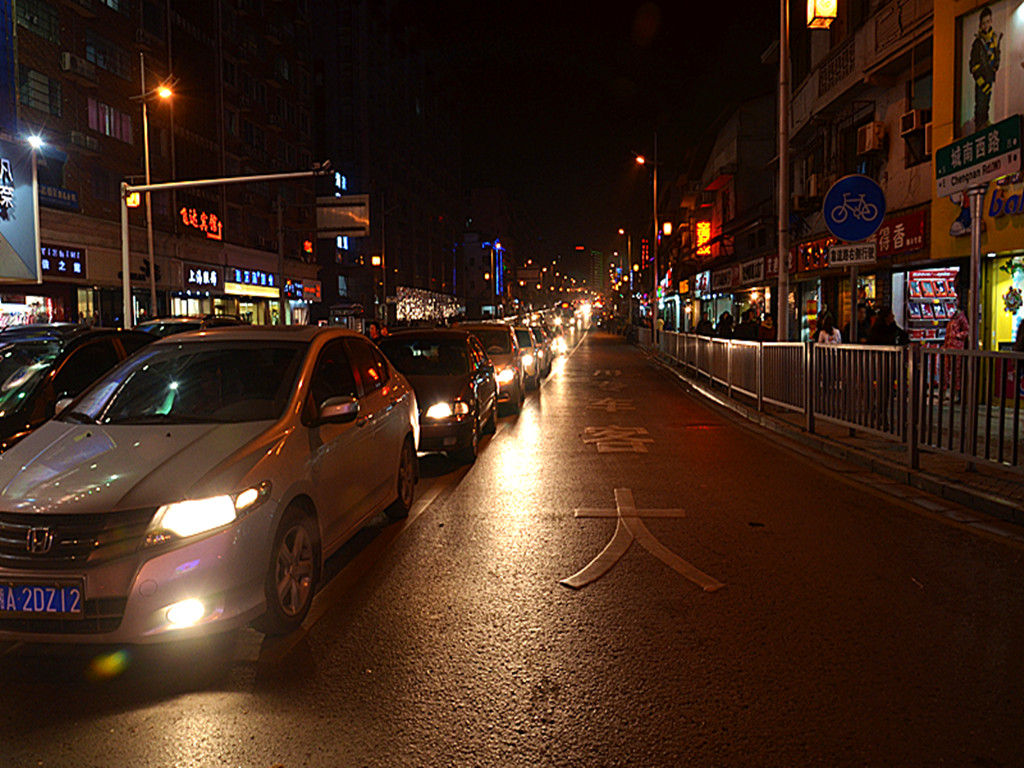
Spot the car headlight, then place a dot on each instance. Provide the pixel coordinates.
(527, 359)
(447, 410)
(194, 516)
(505, 375)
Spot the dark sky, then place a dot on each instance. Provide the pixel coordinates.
(560, 95)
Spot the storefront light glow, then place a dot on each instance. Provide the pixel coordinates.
(821, 13)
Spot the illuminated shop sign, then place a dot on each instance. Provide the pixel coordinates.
(293, 290)
(207, 223)
(703, 238)
(203, 277)
(702, 284)
(251, 282)
(61, 261)
(311, 291)
(901, 234)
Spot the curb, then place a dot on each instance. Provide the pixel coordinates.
(964, 495)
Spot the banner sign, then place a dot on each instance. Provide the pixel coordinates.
(901, 234)
(752, 271)
(19, 246)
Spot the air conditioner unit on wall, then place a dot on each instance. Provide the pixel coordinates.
(914, 120)
(77, 66)
(871, 137)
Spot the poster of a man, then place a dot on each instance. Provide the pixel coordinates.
(985, 54)
(991, 80)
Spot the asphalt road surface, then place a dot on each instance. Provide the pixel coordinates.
(626, 577)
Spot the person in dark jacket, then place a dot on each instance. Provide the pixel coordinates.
(748, 327)
(884, 331)
(724, 329)
(705, 327)
(863, 326)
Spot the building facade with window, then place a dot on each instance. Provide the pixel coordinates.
(241, 105)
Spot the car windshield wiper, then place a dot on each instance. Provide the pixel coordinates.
(164, 418)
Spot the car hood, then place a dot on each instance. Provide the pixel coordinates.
(438, 389)
(89, 468)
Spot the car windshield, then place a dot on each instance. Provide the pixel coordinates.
(427, 357)
(496, 341)
(196, 382)
(22, 367)
(539, 332)
(523, 337)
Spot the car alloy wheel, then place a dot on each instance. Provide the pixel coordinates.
(467, 454)
(291, 577)
(406, 482)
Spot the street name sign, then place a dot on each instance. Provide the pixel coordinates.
(982, 157)
(852, 254)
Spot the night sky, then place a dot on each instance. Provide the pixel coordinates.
(559, 96)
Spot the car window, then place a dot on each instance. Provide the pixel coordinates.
(22, 367)
(427, 357)
(332, 376)
(497, 341)
(370, 366)
(478, 351)
(132, 342)
(523, 337)
(196, 382)
(84, 365)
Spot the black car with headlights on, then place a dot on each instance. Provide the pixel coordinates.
(454, 383)
(44, 363)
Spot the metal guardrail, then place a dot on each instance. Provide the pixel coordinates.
(958, 402)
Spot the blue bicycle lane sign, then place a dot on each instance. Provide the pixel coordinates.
(854, 208)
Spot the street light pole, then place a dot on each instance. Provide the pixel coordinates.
(149, 204)
(782, 303)
(654, 245)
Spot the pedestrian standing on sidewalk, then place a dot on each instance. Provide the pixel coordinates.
(885, 331)
(863, 326)
(958, 329)
(828, 333)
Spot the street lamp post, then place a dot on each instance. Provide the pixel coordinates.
(163, 92)
(654, 244)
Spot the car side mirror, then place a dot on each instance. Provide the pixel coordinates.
(338, 410)
(62, 404)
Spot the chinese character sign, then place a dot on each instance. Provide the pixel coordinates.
(19, 248)
(62, 261)
(207, 223)
(989, 76)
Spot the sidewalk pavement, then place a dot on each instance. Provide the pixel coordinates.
(983, 486)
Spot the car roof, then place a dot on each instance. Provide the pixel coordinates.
(62, 332)
(484, 325)
(301, 333)
(431, 333)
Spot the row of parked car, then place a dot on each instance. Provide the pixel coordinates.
(201, 483)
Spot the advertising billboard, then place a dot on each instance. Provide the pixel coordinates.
(19, 241)
(990, 75)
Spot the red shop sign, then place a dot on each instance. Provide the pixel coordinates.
(901, 234)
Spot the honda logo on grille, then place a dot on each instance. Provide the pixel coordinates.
(40, 540)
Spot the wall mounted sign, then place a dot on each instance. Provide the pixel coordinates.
(901, 234)
(58, 197)
(19, 240)
(62, 261)
(251, 282)
(207, 223)
(203, 277)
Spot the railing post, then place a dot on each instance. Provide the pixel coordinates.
(915, 376)
(728, 366)
(760, 376)
(809, 385)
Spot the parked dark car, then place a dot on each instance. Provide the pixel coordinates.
(167, 326)
(41, 364)
(455, 386)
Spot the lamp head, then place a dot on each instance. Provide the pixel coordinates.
(35, 142)
(164, 92)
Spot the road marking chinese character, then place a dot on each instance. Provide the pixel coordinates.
(629, 527)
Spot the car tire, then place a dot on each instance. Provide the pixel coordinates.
(407, 475)
(468, 453)
(291, 574)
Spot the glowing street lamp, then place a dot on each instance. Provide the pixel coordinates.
(820, 13)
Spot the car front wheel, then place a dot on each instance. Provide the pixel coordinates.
(291, 578)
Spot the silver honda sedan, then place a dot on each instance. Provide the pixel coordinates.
(201, 485)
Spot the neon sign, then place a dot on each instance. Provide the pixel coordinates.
(207, 223)
(6, 188)
(703, 238)
(61, 260)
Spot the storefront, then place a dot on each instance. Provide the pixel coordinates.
(253, 295)
(1003, 307)
(203, 290)
(754, 291)
(300, 295)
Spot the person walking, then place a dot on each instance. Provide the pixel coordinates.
(958, 330)
(724, 329)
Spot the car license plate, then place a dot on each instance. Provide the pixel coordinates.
(41, 601)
